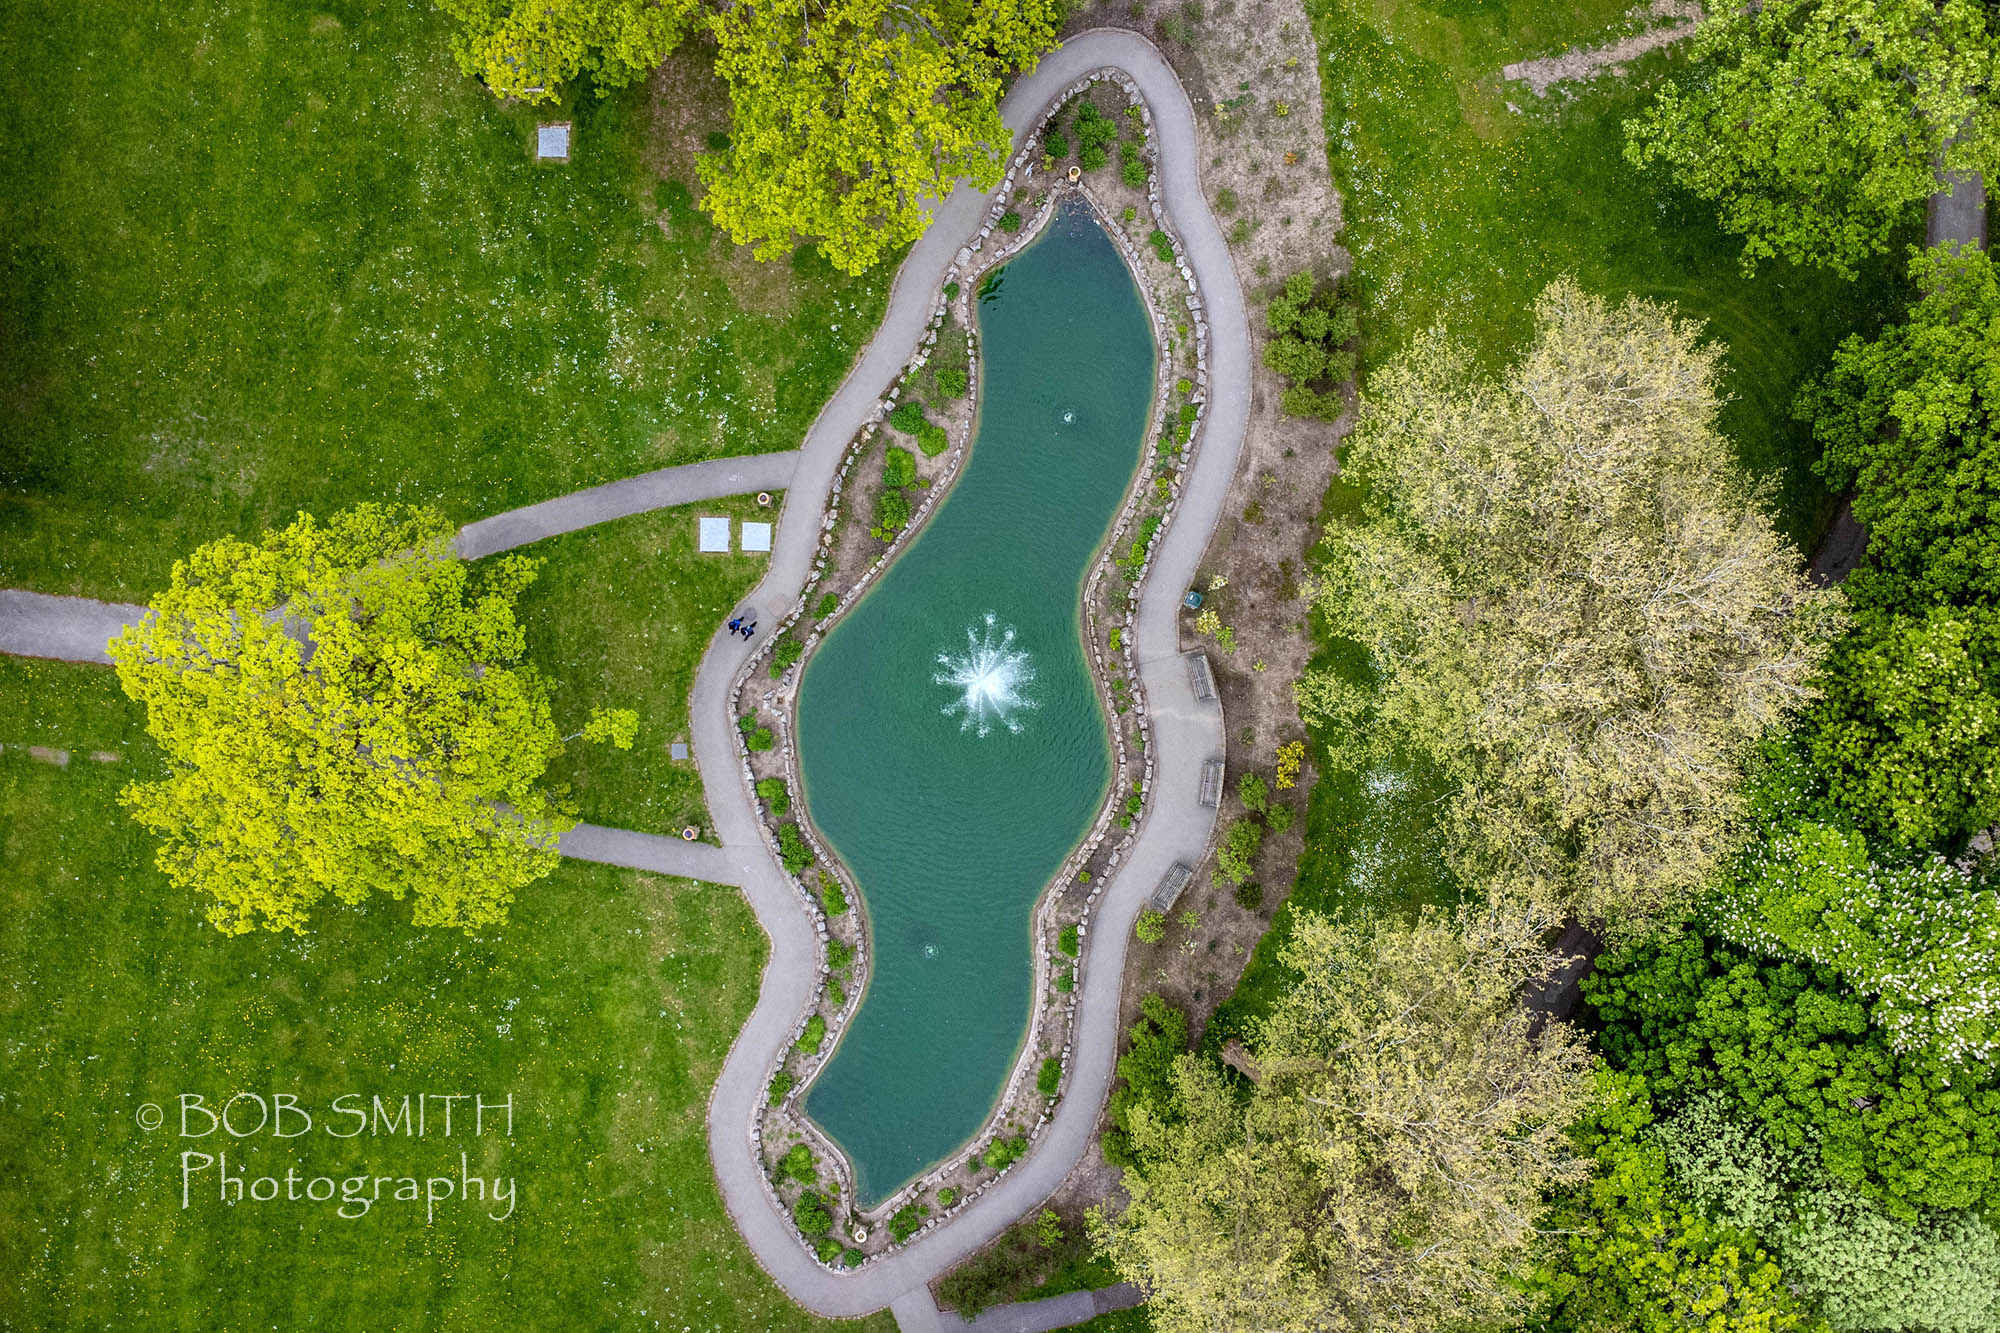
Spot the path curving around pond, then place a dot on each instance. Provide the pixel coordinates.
(1186, 733)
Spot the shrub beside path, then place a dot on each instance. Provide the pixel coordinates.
(1186, 733)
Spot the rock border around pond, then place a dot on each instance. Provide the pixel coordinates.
(1107, 609)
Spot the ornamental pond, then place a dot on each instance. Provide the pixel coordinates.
(951, 745)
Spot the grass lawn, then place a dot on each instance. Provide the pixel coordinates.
(604, 1008)
(1459, 210)
(618, 617)
(259, 258)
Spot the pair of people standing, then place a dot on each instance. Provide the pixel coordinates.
(738, 627)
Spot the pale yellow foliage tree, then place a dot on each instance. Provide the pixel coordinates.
(1574, 602)
(1387, 1170)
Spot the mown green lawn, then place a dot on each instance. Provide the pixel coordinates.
(604, 1008)
(1458, 211)
(257, 256)
(617, 617)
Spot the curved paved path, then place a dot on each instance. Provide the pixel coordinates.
(1185, 733)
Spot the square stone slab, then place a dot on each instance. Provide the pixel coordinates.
(756, 536)
(679, 749)
(714, 534)
(552, 142)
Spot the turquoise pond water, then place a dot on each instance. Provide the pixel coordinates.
(952, 748)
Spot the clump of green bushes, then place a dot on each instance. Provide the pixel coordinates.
(1049, 1078)
(831, 896)
(786, 651)
(1313, 334)
(813, 1037)
(811, 1215)
(799, 1164)
(754, 736)
(1010, 222)
(776, 795)
(1067, 941)
(781, 1083)
(1163, 246)
(899, 466)
(907, 1220)
(792, 849)
(951, 382)
(1095, 132)
(1236, 854)
(1005, 1152)
(1133, 164)
(1145, 1073)
(907, 416)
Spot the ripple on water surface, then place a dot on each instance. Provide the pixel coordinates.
(951, 744)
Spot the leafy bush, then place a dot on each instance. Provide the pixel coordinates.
(1003, 1152)
(1313, 332)
(811, 1214)
(786, 651)
(852, 1258)
(1151, 927)
(951, 381)
(1067, 940)
(1225, 200)
(813, 1037)
(1095, 132)
(906, 1221)
(775, 795)
(838, 955)
(799, 1164)
(1236, 854)
(1133, 168)
(892, 515)
(758, 739)
(1163, 246)
(932, 439)
(907, 416)
(781, 1083)
(1050, 1077)
(951, 291)
(792, 849)
(1010, 222)
(1252, 791)
(899, 466)
(828, 604)
(1277, 817)
(1250, 895)
(836, 997)
(1145, 1072)
(1066, 980)
(947, 1197)
(832, 898)
(1055, 143)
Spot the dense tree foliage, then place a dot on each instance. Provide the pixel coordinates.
(530, 48)
(1387, 1166)
(1918, 935)
(1574, 603)
(1818, 126)
(1910, 422)
(1313, 331)
(1792, 1048)
(1628, 1252)
(1159, 1037)
(849, 115)
(1907, 738)
(344, 709)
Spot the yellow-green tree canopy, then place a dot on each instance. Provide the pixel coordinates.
(1386, 1171)
(1574, 602)
(1818, 126)
(530, 49)
(849, 116)
(343, 709)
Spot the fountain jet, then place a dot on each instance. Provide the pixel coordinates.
(990, 674)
